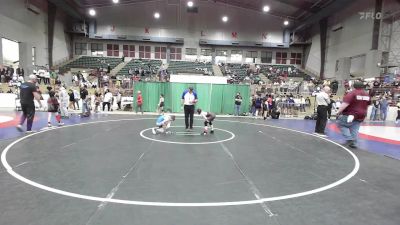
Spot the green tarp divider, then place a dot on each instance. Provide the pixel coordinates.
(217, 98)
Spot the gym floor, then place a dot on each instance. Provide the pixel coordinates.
(110, 169)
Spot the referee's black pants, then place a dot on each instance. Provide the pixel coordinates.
(189, 112)
(322, 117)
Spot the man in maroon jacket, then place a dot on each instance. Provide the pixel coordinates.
(352, 113)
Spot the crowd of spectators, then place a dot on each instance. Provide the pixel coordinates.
(271, 105)
(282, 86)
(11, 76)
(275, 71)
(239, 73)
(379, 88)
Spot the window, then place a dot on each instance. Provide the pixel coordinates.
(206, 55)
(266, 57)
(205, 52)
(281, 57)
(160, 53)
(96, 49)
(128, 50)
(236, 56)
(112, 50)
(80, 49)
(295, 58)
(145, 52)
(10, 51)
(236, 52)
(191, 51)
(175, 53)
(221, 56)
(33, 55)
(251, 54)
(221, 52)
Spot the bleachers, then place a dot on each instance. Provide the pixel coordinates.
(238, 69)
(139, 63)
(280, 70)
(92, 63)
(176, 67)
(238, 73)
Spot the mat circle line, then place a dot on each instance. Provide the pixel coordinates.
(188, 143)
(178, 204)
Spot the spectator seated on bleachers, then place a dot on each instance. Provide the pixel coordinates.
(92, 62)
(240, 73)
(141, 67)
(204, 68)
(272, 71)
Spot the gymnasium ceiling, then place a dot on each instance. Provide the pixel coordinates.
(292, 9)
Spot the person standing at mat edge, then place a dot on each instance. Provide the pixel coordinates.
(238, 103)
(352, 113)
(189, 99)
(28, 92)
(85, 108)
(322, 100)
(398, 112)
(139, 102)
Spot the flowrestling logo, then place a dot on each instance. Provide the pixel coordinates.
(370, 15)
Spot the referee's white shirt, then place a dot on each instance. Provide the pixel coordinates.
(322, 98)
(188, 97)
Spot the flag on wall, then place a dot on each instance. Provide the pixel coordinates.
(234, 34)
(146, 30)
(112, 28)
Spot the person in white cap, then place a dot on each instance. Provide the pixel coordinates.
(28, 92)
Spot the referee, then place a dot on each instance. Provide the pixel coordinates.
(189, 99)
(322, 101)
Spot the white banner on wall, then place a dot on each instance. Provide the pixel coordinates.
(198, 79)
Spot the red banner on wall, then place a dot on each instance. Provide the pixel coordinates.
(234, 34)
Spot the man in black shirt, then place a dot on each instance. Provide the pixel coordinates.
(28, 92)
(84, 93)
(238, 103)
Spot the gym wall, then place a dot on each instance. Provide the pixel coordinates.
(354, 39)
(19, 24)
(176, 22)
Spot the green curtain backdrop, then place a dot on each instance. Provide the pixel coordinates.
(217, 98)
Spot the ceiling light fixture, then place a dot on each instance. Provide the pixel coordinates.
(115, 1)
(225, 19)
(157, 15)
(286, 22)
(190, 4)
(266, 8)
(92, 12)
